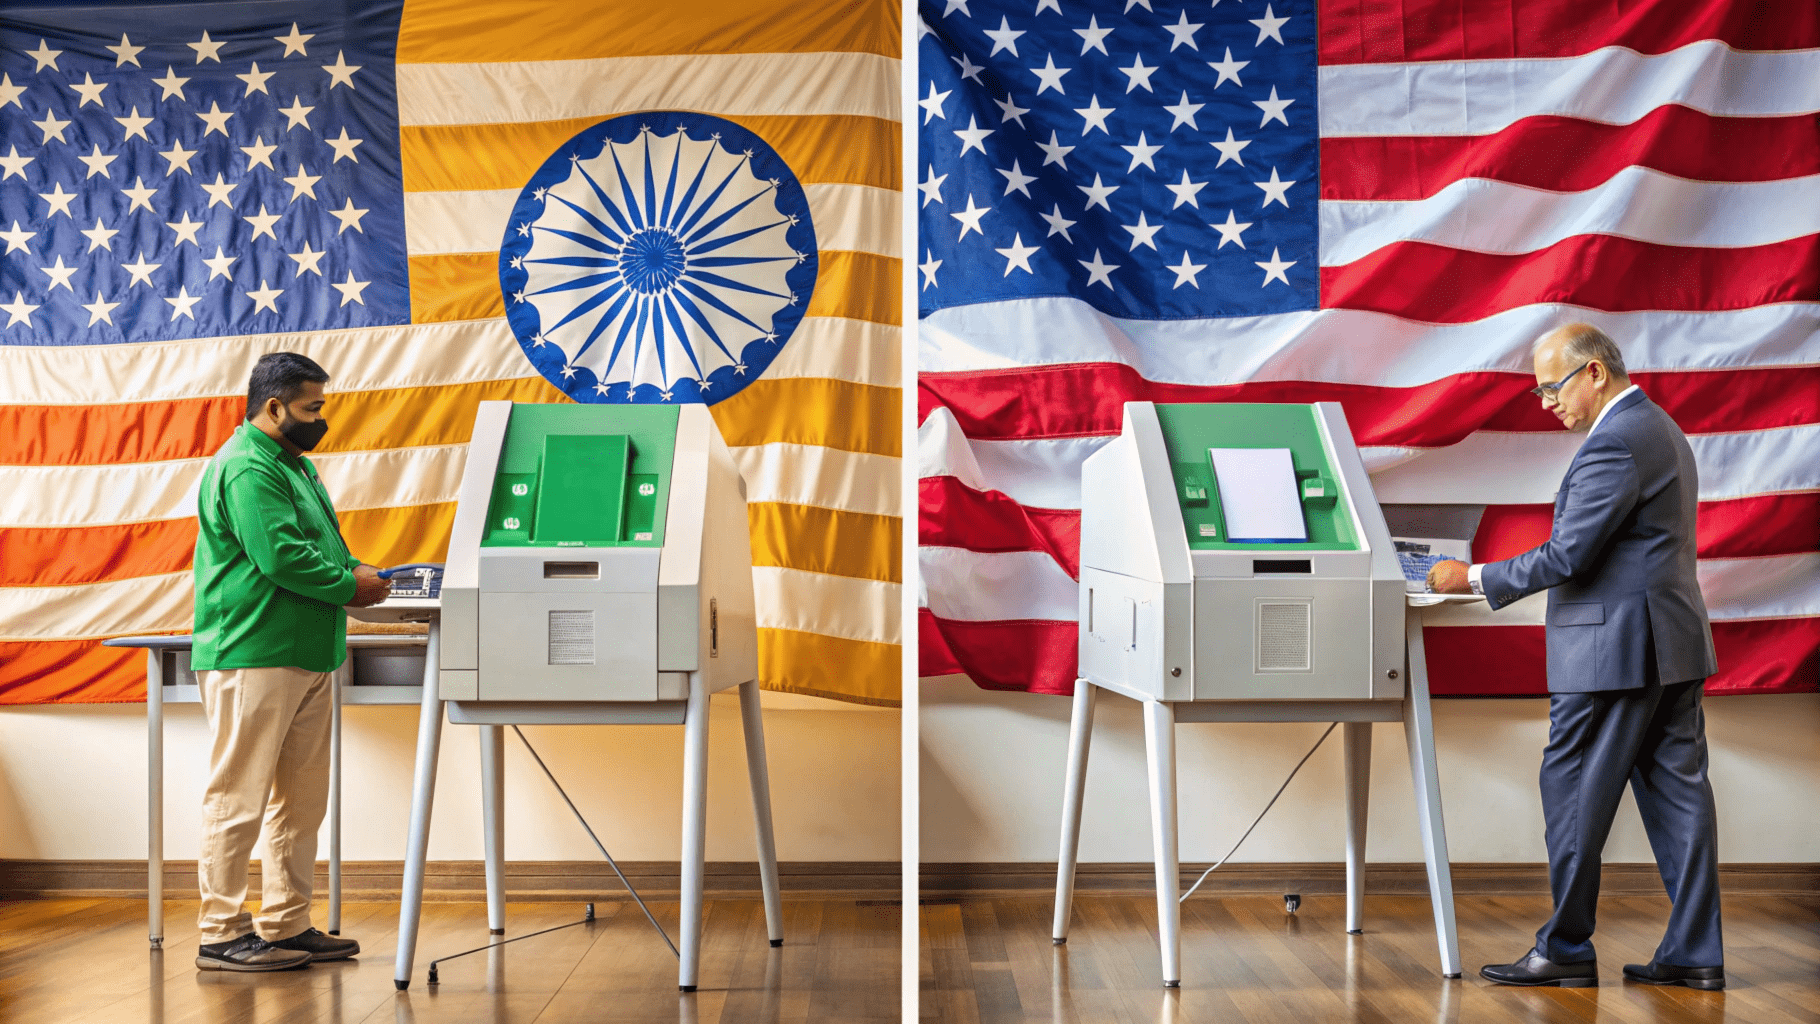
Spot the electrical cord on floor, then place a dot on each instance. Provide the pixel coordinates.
(602, 846)
(1260, 817)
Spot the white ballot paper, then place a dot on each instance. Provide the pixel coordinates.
(1259, 495)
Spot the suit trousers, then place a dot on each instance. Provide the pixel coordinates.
(1654, 737)
(269, 761)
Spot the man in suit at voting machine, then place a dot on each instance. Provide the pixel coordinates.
(1629, 650)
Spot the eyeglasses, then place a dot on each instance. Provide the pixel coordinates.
(1551, 391)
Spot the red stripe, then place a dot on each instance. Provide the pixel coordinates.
(1437, 284)
(1363, 32)
(1763, 524)
(1087, 399)
(1565, 154)
(1760, 656)
(72, 435)
(1757, 656)
(951, 514)
(62, 556)
(70, 672)
(1026, 655)
(957, 516)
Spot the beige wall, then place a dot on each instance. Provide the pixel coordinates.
(72, 785)
(992, 767)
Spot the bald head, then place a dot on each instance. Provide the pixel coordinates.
(1589, 363)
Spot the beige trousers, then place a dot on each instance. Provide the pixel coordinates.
(270, 762)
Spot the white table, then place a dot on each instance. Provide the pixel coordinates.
(1160, 720)
(168, 680)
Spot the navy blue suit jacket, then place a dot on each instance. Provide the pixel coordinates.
(1624, 604)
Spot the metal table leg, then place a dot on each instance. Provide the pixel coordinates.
(1418, 730)
(337, 680)
(752, 721)
(1357, 736)
(423, 793)
(1159, 746)
(1074, 788)
(492, 819)
(154, 794)
(694, 830)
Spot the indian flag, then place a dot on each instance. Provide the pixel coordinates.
(102, 439)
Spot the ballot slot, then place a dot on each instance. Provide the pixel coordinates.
(571, 570)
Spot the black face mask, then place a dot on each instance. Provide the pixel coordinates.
(304, 435)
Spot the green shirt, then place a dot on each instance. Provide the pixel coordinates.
(272, 571)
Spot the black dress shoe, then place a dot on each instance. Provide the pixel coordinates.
(320, 947)
(1536, 970)
(1709, 979)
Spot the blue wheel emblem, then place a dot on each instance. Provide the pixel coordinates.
(664, 256)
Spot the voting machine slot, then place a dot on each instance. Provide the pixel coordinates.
(571, 570)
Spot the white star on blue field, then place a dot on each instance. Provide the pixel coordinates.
(1156, 160)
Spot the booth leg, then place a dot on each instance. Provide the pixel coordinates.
(1418, 730)
(752, 720)
(1074, 788)
(493, 821)
(1357, 737)
(1159, 746)
(423, 793)
(694, 829)
(339, 678)
(154, 796)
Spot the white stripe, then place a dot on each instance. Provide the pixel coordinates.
(1347, 346)
(976, 586)
(811, 602)
(860, 351)
(371, 359)
(1496, 468)
(143, 604)
(363, 359)
(1613, 85)
(861, 84)
(805, 474)
(1487, 468)
(849, 217)
(1638, 203)
(1776, 586)
(77, 496)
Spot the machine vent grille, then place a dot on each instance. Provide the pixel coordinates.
(1284, 637)
(572, 637)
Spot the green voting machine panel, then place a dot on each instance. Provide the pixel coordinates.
(1252, 476)
(583, 476)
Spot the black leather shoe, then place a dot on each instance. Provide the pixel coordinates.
(248, 953)
(320, 947)
(1708, 979)
(1536, 970)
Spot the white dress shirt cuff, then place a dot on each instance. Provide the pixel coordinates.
(1472, 577)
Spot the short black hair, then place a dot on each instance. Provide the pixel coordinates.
(281, 375)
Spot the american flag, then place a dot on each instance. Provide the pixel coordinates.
(1285, 201)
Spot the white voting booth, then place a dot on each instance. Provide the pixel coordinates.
(1236, 567)
(599, 572)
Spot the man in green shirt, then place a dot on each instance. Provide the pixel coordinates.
(272, 575)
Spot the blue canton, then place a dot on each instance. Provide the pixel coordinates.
(1157, 162)
(197, 170)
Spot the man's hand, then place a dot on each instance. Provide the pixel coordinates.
(1449, 577)
(369, 589)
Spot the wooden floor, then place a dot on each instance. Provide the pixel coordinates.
(1245, 960)
(76, 961)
